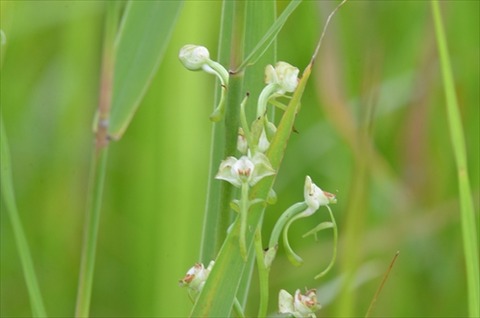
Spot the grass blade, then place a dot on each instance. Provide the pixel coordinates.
(258, 51)
(8, 195)
(469, 224)
(144, 34)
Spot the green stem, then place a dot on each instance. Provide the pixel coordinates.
(263, 273)
(38, 308)
(87, 264)
(244, 205)
(98, 168)
(335, 244)
(237, 308)
(469, 224)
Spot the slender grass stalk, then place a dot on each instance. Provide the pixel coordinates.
(469, 224)
(87, 264)
(8, 194)
(263, 273)
(98, 169)
(224, 134)
(380, 287)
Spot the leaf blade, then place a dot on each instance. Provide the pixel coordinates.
(139, 51)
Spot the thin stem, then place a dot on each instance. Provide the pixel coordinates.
(468, 220)
(384, 279)
(469, 223)
(38, 308)
(238, 308)
(244, 205)
(263, 273)
(98, 168)
(87, 264)
(335, 244)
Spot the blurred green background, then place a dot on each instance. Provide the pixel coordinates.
(372, 129)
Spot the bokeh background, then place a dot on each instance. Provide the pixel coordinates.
(372, 129)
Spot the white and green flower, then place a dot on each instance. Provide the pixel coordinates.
(245, 170)
(316, 197)
(299, 305)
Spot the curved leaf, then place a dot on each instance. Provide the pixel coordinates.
(144, 34)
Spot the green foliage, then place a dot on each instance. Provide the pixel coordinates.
(375, 94)
(140, 45)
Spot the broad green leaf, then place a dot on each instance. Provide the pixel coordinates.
(142, 39)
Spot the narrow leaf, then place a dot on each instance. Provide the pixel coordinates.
(140, 45)
(253, 56)
(467, 211)
(318, 228)
(8, 195)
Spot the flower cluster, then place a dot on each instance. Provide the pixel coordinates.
(252, 166)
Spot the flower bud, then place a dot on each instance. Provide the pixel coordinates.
(242, 144)
(194, 57)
